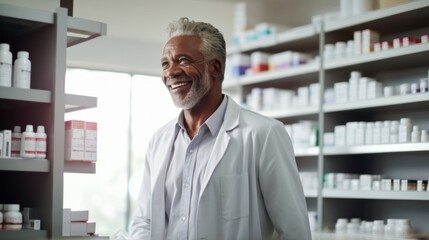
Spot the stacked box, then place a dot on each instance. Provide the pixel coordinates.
(75, 140)
(90, 141)
(75, 223)
(80, 141)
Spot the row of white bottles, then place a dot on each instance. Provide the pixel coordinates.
(393, 227)
(29, 144)
(21, 68)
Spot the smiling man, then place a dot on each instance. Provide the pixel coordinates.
(218, 171)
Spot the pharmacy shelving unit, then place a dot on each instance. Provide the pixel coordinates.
(391, 67)
(38, 183)
(291, 78)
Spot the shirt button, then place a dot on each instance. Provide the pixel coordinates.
(183, 218)
(186, 185)
(191, 151)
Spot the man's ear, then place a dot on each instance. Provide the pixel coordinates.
(215, 68)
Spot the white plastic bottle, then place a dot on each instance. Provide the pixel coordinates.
(341, 226)
(415, 134)
(403, 228)
(12, 217)
(41, 142)
(22, 71)
(5, 65)
(424, 137)
(390, 227)
(16, 142)
(28, 143)
(404, 131)
(378, 227)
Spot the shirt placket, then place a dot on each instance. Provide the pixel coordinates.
(188, 174)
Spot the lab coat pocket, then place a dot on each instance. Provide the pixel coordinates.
(235, 196)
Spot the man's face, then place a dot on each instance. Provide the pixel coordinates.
(184, 71)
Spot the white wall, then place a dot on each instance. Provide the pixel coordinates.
(136, 28)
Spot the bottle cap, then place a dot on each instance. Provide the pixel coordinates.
(342, 220)
(11, 207)
(17, 129)
(355, 74)
(4, 46)
(29, 128)
(40, 129)
(23, 54)
(405, 121)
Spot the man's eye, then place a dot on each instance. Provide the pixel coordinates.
(183, 60)
(164, 65)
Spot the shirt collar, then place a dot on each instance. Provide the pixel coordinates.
(213, 123)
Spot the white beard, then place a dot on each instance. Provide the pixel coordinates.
(196, 93)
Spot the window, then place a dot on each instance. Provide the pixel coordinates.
(130, 108)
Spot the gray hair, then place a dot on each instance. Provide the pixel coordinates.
(213, 43)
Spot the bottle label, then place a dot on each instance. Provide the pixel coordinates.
(41, 146)
(16, 146)
(22, 79)
(5, 74)
(29, 145)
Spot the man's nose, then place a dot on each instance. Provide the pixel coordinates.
(172, 71)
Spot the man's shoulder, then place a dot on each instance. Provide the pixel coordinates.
(257, 119)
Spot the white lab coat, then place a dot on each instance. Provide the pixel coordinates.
(251, 184)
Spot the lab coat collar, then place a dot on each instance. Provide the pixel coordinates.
(231, 120)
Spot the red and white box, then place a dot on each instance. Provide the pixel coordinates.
(90, 141)
(75, 140)
(408, 41)
(385, 45)
(79, 216)
(397, 42)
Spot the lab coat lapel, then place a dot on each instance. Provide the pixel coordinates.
(160, 170)
(221, 144)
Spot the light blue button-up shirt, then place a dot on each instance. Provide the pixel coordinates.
(185, 173)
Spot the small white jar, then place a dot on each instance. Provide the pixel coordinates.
(378, 227)
(12, 219)
(403, 227)
(341, 226)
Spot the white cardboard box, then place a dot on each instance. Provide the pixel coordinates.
(1, 144)
(78, 229)
(79, 216)
(66, 222)
(90, 141)
(90, 228)
(7, 143)
(74, 140)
